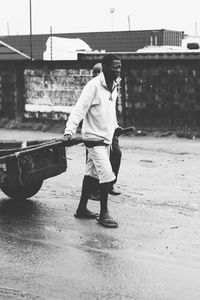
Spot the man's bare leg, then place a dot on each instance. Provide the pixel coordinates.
(105, 219)
(82, 210)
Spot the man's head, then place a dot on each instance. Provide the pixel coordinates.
(111, 66)
(97, 68)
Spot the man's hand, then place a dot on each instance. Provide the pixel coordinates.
(118, 131)
(67, 137)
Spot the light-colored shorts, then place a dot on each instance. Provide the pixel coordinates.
(98, 164)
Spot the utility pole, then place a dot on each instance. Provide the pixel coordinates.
(8, 31)
(129, 23)
(31, 50)
(196, 30)
(51, 43)
(112, 10)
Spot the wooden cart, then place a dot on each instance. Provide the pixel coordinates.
(23, 170)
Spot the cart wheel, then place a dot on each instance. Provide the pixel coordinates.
(22, 192)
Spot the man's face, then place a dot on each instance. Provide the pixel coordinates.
(113, 71)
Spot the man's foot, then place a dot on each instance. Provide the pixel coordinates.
(94, 196)
(107, 221)
(114, 192)
(85, 214)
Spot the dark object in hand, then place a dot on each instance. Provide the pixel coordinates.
(120, 130)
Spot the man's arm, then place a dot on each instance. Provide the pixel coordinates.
(82, 106)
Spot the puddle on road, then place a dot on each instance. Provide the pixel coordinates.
(102, 241)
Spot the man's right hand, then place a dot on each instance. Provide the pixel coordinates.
(67, 137)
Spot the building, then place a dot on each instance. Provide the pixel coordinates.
(112, 41)
(157, 89)
(10, 53)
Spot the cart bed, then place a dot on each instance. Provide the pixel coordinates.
(34, 163)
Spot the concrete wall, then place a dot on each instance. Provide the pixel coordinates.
(154, 93)
(53, 92)
(163, 93)
(8, 93)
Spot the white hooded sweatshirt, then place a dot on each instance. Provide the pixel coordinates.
(97, 108)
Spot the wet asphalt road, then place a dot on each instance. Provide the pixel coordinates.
(46, 253)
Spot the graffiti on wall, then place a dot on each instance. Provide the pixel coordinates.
(54, 90)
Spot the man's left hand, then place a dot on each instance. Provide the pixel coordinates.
(118, 131)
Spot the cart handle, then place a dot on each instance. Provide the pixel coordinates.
(90, 142)
(52, 143)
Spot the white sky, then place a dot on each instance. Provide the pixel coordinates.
(94, 15)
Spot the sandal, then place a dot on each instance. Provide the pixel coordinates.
(107, 222)
(86, 215)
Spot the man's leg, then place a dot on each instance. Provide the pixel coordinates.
(104, 189)
(105, 219)
(101, 166)
(82, 211)
(94, 191)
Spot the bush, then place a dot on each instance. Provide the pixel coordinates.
(3, 122)
(37, 126)
(13, 124)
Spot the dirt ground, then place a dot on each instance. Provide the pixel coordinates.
(158, 212)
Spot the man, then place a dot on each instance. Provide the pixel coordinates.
(96, 107)
(96, 70)
(115, 153)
